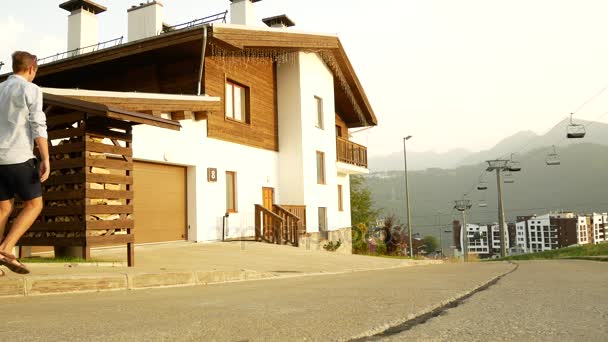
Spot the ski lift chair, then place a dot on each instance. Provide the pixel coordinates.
(509, 178)
(575, 131)
(553, 158)
(513, 165)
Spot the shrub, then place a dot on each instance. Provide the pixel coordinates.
(332, 247)
(381, 248)
(359, 247)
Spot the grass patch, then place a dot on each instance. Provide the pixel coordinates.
(60, 260)
(568, 252)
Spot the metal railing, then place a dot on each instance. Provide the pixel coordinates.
(351, 153)
(197, 22)
(81, 51)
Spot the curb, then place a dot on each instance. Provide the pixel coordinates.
(591, 258)
(422, 316)
(57, 285)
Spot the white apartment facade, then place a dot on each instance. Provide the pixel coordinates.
(599, 222)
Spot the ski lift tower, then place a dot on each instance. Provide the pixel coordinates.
(500, 165)
(463, 205)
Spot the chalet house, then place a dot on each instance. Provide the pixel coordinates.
(264, 111)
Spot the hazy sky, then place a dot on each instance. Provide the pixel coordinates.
(453, 73)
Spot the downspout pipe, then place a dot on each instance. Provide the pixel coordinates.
(202, 67)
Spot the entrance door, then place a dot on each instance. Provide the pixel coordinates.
(267, 202)
(268, 198)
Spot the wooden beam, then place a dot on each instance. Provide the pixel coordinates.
(182, 115)
(199, 116)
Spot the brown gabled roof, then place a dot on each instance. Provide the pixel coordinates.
(351, 99)
(98, 109)
(241, 38)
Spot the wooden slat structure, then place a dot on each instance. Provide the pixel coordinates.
(89, 195)
(299, 211)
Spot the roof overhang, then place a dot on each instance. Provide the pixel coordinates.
(141, 102)
(98, 109)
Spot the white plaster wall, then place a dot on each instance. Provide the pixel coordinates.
(255, 168)
(145, 22)
(344, 216)
(83, 29)
(291, 180)
(317, 80)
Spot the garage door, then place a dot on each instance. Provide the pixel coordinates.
(160, 202)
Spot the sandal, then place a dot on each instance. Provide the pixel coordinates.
(11, 262)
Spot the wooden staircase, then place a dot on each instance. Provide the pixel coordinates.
(279, 226)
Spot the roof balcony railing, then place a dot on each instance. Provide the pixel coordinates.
(81, 51)
(219, 17)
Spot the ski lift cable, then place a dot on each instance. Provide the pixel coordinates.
(591, 99)
(578, 109)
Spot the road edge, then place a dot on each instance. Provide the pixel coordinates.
(423, 316)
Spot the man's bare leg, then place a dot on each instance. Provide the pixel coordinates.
(23, 222)
(6, 207)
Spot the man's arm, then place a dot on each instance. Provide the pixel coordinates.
(37, 121)
(45, 163)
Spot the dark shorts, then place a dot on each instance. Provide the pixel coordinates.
(22, 180)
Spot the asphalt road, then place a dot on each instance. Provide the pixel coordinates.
(541, 301)
(319, 308)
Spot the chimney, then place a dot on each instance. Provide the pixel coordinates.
(83, 26)
(242, 12)
(280, 21)
(145, 20)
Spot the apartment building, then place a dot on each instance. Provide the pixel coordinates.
(599, 222)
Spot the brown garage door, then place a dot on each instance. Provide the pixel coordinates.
(160, 202)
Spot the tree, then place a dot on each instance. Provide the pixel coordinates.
(361, 204)
(430, 244)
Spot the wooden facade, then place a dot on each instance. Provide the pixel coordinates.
(258, 75)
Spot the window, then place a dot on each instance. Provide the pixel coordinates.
(340, 198)
(237, 102)
(320, 167)
(338, 131)
(231, 206)
(319, 116)
(323, 222)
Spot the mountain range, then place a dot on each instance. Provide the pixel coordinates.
(521, 142)
(579, 184)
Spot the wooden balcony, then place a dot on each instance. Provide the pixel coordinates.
(350, 153)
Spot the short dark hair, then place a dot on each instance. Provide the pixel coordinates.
(22, 61)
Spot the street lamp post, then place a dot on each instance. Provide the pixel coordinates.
(407, 198)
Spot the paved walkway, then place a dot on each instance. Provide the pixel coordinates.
(188, 264)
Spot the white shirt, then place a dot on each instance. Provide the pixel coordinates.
(21, 120)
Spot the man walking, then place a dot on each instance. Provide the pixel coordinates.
(22, 123)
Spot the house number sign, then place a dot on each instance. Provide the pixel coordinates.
(212, 175)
